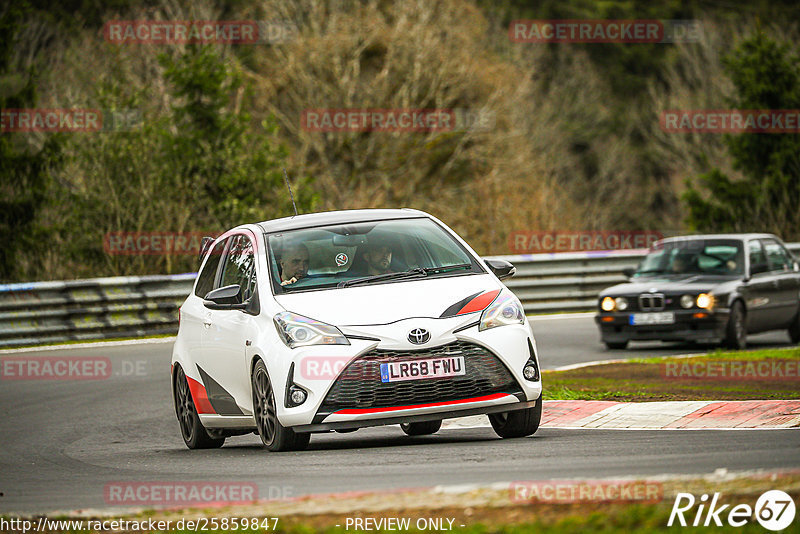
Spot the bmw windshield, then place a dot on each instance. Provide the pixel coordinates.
(694, 257)
(346, 255)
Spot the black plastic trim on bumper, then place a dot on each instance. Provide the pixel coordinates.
(685, 328)
(345, 425)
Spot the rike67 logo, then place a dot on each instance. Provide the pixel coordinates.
(774, 510)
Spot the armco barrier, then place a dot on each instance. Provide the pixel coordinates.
(54, 312)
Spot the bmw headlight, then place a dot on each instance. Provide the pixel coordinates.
(687, 301)
(298, 331)
(505, 309)
(705, 301)
(621, 303)
(608, 304)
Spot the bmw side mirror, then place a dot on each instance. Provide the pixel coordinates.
(759, 268)
(224, 298)
(501, 268)
(628, 272)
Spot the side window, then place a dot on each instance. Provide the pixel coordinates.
(205, 280)
(239, 267)
(777, 257)
(758, 262)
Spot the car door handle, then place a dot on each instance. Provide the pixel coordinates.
(207, 321)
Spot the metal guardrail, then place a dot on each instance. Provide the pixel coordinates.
(119, 307)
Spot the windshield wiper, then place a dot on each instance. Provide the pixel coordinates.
(447, 268)
(411, 273)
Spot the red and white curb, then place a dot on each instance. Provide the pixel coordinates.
(668, 415)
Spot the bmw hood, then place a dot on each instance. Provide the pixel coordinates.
(667, 284)
(395, 301)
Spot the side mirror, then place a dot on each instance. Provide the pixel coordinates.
(501, 268)
(628, 272)
(224, 298)
(759, 268)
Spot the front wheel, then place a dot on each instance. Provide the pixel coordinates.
(275, 436)
(794, 330)
(193, 432)
(735, 331)
(519, 423)
(421, 429)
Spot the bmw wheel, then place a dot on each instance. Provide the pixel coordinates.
(794, 330)
(275, 436)
(193, 432)
(519, 423)
(735, 332)
(421, 429)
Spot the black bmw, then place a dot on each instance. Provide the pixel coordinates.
(705, 288)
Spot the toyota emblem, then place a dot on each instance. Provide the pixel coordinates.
(418, 336)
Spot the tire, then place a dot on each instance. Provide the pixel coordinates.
(519, 423)
(194, 434)
(421, 429)
(735, 331)
(794, 330)
(275, 436)
(616, 345)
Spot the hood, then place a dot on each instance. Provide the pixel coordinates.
(388, 302)
(668, 284)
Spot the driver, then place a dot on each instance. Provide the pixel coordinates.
(680, 264)
(378, 258)
(294, 263)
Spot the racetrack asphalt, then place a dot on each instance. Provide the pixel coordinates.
(63, 441)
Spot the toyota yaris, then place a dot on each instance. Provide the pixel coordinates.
(342, 320)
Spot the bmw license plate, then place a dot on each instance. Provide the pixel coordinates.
(652, 318)
(419, 369)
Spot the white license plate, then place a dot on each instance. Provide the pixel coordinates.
(419, 369)
(652, 318)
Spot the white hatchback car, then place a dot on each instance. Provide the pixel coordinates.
(348, 319)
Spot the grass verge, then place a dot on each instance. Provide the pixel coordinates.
(715, 376)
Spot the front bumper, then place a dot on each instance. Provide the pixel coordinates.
(509, 345)
(615, 327)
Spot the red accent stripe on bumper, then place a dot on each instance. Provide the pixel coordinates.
(200, 397)
(358, 411)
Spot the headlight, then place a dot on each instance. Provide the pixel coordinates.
(622, 303)
(298, 331)
(705, 301)
(687, 301)
(505, 309)
(608, 304)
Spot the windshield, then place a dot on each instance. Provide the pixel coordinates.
(697, 256)
(363, 253)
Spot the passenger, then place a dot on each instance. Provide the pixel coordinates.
(294, 263)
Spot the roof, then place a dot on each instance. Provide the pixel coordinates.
(740, 237)
(310, 220)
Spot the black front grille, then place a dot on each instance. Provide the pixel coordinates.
(651, 302)
(359, 385)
